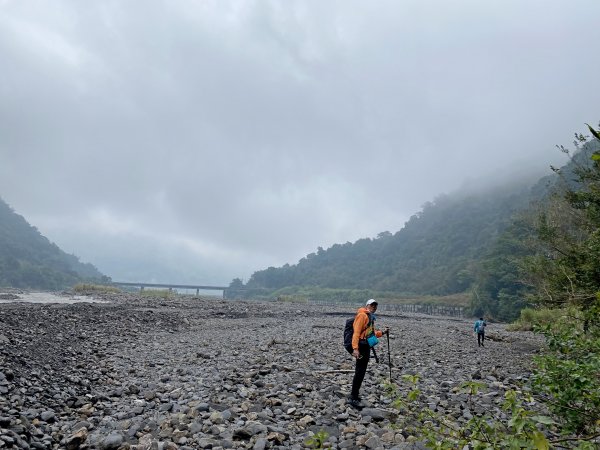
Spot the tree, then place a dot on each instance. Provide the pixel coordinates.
(566, 268)
(566, 274)
(561, 267)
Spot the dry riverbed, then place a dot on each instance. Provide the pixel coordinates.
(193, 373)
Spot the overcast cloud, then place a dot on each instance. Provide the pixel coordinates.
(198, 141)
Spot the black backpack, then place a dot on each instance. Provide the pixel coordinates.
(349, 330)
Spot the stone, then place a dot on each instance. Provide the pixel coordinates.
(48, 416)
(260, 444)
(128, 371)
(76, 439)
(378, 414)
(112, 442)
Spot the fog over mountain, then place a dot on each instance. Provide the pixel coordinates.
(196, 142)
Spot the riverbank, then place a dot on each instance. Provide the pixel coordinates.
(192, 373)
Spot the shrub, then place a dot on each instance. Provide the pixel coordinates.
(83, 288)
(531, 318)
(161, 293)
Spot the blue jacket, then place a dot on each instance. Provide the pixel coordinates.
(479, 326)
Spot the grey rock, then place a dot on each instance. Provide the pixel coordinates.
(377, 414)
(255, 428)
(112, 442)
(373, 442)
(5, 422)
(207, 443)
(260, 444)
(48, 416)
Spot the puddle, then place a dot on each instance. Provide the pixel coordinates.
(44, 297)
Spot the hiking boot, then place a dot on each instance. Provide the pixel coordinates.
(355, 403)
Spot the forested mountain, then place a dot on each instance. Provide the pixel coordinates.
(457, 243)
(30, 260)
(434, 253)
(503, 279)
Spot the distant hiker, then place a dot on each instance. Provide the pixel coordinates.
(363, 338)
(479, 328)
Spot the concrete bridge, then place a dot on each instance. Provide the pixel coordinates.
(198, 288)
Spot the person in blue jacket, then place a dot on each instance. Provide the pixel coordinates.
(479, 328)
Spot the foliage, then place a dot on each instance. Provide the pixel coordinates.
(435, 253)
(567, 274)
(29, 260)
(522, 429)
(531, 319)
(550, 249)
(95, 288)
(562, 272)
(519, 427)
(236, 283)
(160, 293)
(317, 440)
(498, 290)
(492, 244)
(305, 294)
(566, 268)
(568, 375)
(455, 245)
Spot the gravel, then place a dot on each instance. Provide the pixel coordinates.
(191, 372)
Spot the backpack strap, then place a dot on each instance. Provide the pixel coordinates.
(370, 324)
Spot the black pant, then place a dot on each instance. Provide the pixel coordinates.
(480, 338)
(361, 368)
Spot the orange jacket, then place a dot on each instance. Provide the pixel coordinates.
(360, 327)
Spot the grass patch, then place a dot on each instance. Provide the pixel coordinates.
(83, 288)
(160, 293)
(461, 300)
(531, 318)
(305, 294)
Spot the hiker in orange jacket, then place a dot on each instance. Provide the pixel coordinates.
(364, 330)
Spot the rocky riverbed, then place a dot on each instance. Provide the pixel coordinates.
(190, 373)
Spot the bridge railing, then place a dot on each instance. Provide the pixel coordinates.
(198, 288)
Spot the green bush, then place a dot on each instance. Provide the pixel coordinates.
(95, 288)
(531, 318)
(317, 440)
(568, 374)
(160, 293)
(521, 429)
(565, 382)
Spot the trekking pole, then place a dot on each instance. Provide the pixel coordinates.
(389, 356)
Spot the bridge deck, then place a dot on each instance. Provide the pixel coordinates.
(172, 286)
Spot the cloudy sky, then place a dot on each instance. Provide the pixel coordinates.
(199, 141)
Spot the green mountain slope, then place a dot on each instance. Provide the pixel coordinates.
(30, 260)
(435, 253)
(502, 282)
(458, 243)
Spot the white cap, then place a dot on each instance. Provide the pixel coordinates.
(371, 301)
